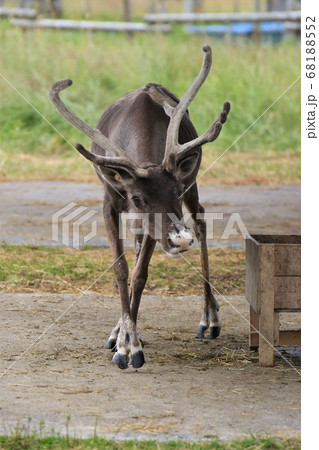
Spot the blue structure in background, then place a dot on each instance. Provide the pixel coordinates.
(271, 32)
(242, 29)
(218, 31)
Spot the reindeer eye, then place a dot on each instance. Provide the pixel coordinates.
(136, 200)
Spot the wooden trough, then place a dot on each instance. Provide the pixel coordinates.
(273, 285)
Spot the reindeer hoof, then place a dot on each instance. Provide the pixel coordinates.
(137, 359)
(120, 360)
(201, 331)
(111, 344)
(214, 331)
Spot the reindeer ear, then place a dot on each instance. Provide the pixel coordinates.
(187, 166)
(114, 170)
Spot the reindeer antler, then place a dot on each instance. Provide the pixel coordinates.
(173, 149)
(112, 150)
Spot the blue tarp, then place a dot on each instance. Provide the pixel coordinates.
(242, 28)
(238, 28)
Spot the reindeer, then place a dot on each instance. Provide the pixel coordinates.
(147, 154)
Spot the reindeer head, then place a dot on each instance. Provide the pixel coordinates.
(156, 190)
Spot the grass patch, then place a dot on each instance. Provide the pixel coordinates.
(105, 66)
(261, 167)
(19, 441)
(28, 268)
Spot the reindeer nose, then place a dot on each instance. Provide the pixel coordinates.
(179, 241)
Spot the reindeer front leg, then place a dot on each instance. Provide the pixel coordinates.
(211, 307)
(140, 272)
(145, 247)
(124, 334)
(210, 312)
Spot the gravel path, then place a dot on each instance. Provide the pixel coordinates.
(27, 209)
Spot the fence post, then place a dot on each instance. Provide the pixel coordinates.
(128, 10)
(189, 6)
(87, 8)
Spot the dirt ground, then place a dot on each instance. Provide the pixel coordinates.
(189, 388)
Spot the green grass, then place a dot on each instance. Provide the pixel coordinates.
(20, 441)
(106, 66)
(29, 268)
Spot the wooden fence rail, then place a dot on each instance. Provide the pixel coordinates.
(18, 12)
(293, 16)
(131, 27)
